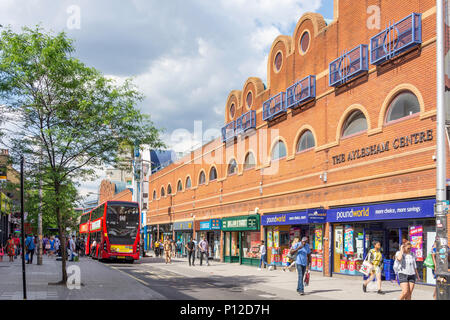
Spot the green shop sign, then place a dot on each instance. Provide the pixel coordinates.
(241, 223)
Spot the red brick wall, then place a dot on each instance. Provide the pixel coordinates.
(400, 173)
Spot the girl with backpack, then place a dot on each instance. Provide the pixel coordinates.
(405, 266)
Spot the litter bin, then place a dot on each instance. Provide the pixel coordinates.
(442, 286)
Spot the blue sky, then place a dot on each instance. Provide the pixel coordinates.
(185, 56)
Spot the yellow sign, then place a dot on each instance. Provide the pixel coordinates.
(121, 249)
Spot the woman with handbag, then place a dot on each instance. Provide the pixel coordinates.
(407, 270)
(375, 258)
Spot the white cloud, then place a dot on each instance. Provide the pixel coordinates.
(185, 56)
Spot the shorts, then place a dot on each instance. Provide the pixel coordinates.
(403, 278)
(376, 270)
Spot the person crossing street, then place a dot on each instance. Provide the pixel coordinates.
(168, 250)
(190, 247)
(302, 250)
(203, 246)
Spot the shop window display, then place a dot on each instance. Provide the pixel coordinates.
(353, 241)
(251, 242)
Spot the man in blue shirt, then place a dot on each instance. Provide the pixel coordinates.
(29, 244)
(303, 251)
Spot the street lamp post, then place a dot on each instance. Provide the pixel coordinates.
(441, 159)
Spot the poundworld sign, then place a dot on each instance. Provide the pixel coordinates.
(385, 211)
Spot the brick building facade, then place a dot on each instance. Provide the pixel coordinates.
(384, 162)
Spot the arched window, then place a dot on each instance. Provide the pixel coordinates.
(163, 193)
(202, 178)
(306, 141)
(355, 123)
(179, 186)
(249, 162)
(213, 174)
(169, 189)
(154, 194)
(232, 167)
(404, 105)
(279, 150)
(188, 182)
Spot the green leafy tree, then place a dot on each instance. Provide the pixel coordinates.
(62, 116)
(68, 196)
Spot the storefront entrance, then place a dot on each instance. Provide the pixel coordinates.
(397, 222)
(242, 239)
(282, 229)
(183, 232)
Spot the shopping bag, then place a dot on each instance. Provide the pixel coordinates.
(366, 268)
(429, 263)
(307, 277)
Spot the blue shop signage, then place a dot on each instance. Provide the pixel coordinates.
(317, 215)
(213, 224)
(385, 211)
(292, 218)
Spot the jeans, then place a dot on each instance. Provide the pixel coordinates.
(206, 257)
(301, 272)
(263, 260)
(31, 254)
(191, 254)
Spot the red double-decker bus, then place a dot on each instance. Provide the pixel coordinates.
(84, 229)
(114, 231)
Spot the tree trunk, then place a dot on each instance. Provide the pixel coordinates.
(61, 235)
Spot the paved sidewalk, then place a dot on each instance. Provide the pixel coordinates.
(98, 282)
(282, 285)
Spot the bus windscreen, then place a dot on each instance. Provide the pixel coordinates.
(122, 224)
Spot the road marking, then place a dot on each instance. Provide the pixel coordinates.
(139, 280)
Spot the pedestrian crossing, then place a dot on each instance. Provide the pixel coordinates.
(31, 295)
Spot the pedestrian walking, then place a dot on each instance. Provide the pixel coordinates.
(190, 247)
(168, 250)
(376, 259)
(203, 246)
(72, 248)
(30, 246)
(302, 250)
(406, 267)
(58, 246)
(46, 245)
(51, 252)
(17, 244)
(263, 252)
(291, 258)
(157, 244)
(174, 248)
(179, 248)
(11, 248)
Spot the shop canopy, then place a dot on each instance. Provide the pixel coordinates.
(294, 218)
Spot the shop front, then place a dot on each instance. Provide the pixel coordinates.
(183, 232)
(242, 239)
(281, 229)
(152, 234)
(356, 229)
(211, 230)
(165, 230)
